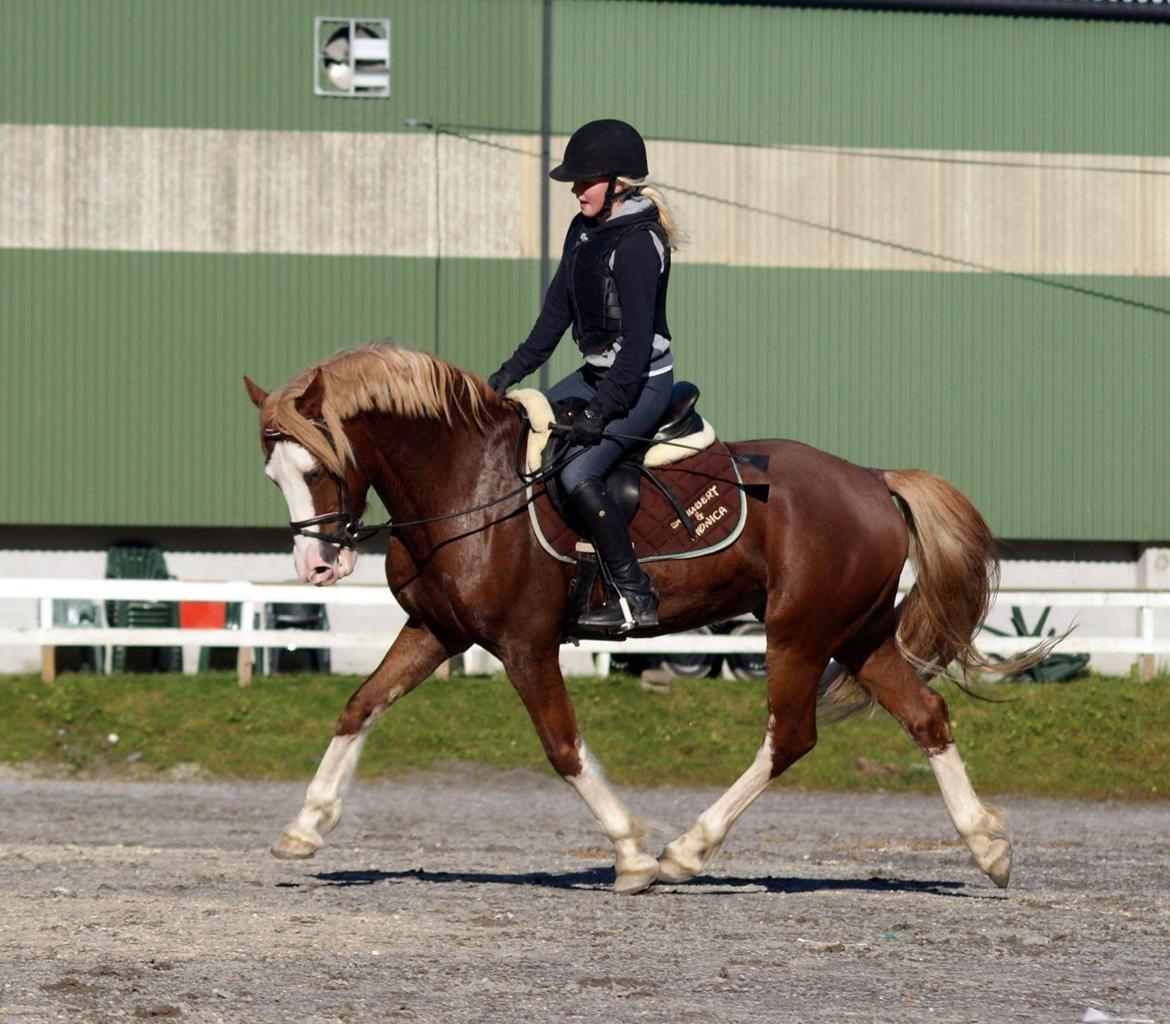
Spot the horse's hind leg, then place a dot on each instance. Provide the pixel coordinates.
(791, 733)
(413, 656)
(538, 680)
(923, 713)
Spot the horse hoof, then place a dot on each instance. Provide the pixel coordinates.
(998, 866)
(672, 870)
(290, 848)
(626, 883)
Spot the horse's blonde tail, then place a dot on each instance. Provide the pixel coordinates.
(840, 695)
(956, 562)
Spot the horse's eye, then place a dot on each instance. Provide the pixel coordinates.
(314, 475)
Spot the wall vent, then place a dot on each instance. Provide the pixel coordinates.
(351, 57)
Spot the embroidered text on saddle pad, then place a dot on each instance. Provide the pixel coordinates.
(707, 486)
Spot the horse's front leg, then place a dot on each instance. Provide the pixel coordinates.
(538, 680)
(413, 656)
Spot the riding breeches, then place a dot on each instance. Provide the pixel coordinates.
(641, 421)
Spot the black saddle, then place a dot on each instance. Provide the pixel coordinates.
(625, 479)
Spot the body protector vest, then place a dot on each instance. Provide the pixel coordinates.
(593, 294)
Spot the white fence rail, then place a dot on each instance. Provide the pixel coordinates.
(252, 597)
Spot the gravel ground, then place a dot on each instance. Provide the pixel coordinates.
(464, 895)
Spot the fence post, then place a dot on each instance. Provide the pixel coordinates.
(1153, 574)
(1147, 663)
(245, 659)
(48, 652)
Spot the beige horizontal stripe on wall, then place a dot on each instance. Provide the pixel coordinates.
(418, 195)
(157, 189)
(1059, 214)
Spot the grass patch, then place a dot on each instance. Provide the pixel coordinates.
(1091, 738)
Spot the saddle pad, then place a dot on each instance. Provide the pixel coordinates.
(541, 418)
(708, 487)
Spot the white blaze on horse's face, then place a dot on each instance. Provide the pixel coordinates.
(317, 562)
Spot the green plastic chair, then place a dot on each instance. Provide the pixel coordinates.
(137, 560)
(296, 616)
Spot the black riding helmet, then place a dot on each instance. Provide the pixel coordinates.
(602, 149)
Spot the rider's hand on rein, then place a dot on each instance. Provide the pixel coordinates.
(500, 381)
(588, 427)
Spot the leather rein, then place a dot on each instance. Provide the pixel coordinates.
(355, 531)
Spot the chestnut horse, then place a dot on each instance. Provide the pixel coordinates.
(818, 563)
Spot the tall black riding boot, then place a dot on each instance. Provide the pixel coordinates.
(635, 606)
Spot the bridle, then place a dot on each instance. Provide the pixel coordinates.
(355, 531)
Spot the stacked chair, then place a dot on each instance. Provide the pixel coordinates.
(295, 616)
(135, 560)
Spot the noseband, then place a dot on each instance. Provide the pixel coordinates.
(354, 530)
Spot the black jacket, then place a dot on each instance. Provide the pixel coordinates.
(639, 277)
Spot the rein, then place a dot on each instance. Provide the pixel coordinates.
(355, 531)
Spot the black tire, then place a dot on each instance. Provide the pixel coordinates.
(692, 666)
(630, 664)
(747, 666)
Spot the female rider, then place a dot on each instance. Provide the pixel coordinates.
(611, 288)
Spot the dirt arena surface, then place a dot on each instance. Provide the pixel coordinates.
(464, 895)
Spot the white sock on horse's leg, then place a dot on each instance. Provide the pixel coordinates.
(635, 869)
(321, 810)
(414, 654)
(687, 855)
(984, 831)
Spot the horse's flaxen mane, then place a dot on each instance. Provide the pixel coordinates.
(376, 377)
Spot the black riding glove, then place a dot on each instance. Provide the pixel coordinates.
(588, 427)
(500, 381)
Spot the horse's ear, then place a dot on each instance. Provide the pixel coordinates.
(255, 392)
(308, 403)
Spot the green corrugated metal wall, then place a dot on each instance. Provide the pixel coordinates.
(123, 396)
(1023, 396)
(768, 76)
(692, 71)
(121, 370)
(227, 64)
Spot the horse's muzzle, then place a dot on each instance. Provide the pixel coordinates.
(320, 563)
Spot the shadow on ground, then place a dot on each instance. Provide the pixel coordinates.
(602, 879)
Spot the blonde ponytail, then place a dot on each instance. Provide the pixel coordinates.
(676, 235)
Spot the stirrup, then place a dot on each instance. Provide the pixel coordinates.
(626, 613)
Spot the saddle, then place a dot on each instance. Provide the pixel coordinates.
(679, 502)
(624, 481)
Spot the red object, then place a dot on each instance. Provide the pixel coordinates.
(202, 614)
